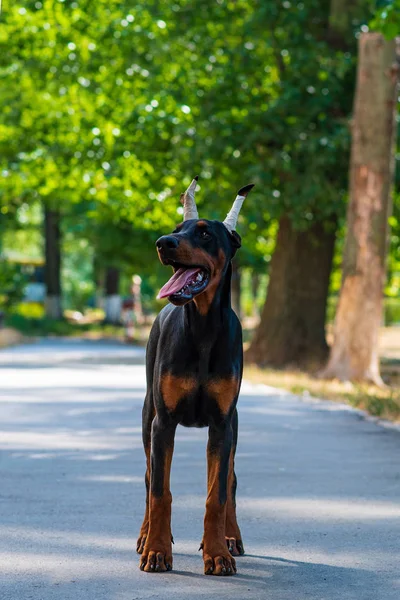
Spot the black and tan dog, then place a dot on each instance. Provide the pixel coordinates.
(194, 371)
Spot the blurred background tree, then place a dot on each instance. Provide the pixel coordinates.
(354, 353)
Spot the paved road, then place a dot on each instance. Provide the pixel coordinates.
(319, 489)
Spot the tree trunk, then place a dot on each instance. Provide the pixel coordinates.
(354, 354)
(292, 326)
(255, 283)
(137, 298)
(98, 282)
(113, 302)
(235, 288)
(52, 271)
(342, 15)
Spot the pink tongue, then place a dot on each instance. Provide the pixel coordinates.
(177, 282)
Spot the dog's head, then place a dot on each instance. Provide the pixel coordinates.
(199, 250)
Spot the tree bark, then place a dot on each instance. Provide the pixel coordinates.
(255, 283)
(137, 298)
(98, 274)
(113, 302)
(235, 288)
(52, 271)
(292, 326)
(354, 354)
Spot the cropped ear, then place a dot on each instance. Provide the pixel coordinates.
(236, 241)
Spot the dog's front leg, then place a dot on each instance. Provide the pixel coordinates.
(157, 552)
(232, 531)
(216, 556)
(148, 414)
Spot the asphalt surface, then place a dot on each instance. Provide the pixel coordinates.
(318, 495)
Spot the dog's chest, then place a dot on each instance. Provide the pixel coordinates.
(195, 408)
(195, 401)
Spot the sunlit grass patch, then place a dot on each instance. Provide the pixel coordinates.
(379, 402)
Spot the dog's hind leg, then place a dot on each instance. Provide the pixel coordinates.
(216, 556)
(232, 531)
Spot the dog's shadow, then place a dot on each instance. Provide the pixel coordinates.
(283, 577)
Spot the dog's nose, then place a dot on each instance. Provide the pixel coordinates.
(167, 242)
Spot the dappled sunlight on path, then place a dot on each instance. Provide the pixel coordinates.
(318, 496)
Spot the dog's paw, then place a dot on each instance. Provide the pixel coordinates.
(140, 543)
(235, 546)
(219, 565)
(153, 561)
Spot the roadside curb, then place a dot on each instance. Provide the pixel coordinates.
(328, 405)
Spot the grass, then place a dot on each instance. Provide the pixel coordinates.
(379, 402)
(43, 327)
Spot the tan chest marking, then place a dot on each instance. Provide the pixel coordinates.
(203, 301)
(173, 389)
(224, 391)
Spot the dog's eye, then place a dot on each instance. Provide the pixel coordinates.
(205, 235)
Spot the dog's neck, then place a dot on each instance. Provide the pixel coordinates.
(207, 313)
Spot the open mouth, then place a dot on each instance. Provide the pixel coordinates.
(186, 283)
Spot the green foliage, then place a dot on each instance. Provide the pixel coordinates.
(387, 18)
(393, 283)
(392, 311)
(274, 104)
(107, 109)
(28, 310)
(109, 104)
(12, 284)
(67, 74)
(77, 271)
(252, 303)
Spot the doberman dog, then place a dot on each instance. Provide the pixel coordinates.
(194, 367)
